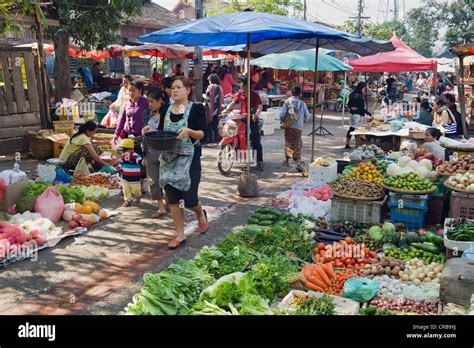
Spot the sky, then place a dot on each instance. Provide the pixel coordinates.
(335, 12)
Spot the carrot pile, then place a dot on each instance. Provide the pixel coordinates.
(344, 254)
(322, 278)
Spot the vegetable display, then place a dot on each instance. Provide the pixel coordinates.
(461, 182)
(411, 253)
(344, 254)
(458, 166)
(374, 311)
(357, 189)
(461, 232)
(405, 305)
(389, 266)
(323, 278)
(94, 193)
(408, 182)
(365, 152)
(309, 305)
(417, 272)
(278, 203)
(406, 165)
(103, 180)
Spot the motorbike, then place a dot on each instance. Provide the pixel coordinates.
(233, 145)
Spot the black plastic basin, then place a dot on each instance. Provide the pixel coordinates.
(161, 140)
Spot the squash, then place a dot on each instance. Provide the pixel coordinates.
(95, 207)
(83, 209)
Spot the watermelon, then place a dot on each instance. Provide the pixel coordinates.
(391, 237)
(412, 237)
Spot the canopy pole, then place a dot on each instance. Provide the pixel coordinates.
(343, 103)
(314, 97)
(248, 103)
(459, 71)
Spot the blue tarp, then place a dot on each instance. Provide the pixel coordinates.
(271, 34)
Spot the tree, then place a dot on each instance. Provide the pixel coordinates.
(386, 29)
(350, 26)
(423, 24)
(90, 24)
(278, 7)
(458, 17)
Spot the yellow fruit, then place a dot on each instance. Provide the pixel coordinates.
(94, 206)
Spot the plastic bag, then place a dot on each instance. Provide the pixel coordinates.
(46, 173)
(10, 177)
(469, 253)
(50, 204)
(360, 289)
(62, 176)
(110, 120)
(82, 169)
(108, 170)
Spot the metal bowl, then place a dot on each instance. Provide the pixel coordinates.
(161, 140)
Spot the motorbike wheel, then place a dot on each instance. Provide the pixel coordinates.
(338, 106)
(225, 159)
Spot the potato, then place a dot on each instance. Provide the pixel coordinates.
(384, 263)
(396, 271)
(388, 270)
(392, 264)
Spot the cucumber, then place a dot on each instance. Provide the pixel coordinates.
(285, 216)
(262, 210)
(252, 221)
(264, 216)
(265, 222)
(275, 212)
(430, 248)
(423, 239)
(435, 239)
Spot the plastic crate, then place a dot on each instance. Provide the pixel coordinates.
(462, 205)
(363, 212)
(441, 190)
(412, 215)
(323, 174)
(436, 209)
(402, 199)
(100, 114)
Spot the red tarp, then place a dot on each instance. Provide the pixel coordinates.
(403, 58)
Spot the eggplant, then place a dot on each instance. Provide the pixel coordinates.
(330, 232)
(329, 237)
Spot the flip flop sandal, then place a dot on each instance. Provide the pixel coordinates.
(175, 244)
(204, 227)
(158, 214)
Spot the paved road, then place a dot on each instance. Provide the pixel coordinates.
(100, 276)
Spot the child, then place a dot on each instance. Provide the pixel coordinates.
(130, 163)
(432, 145)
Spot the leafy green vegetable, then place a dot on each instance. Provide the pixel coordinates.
(171, 292)
(25, 203)
(35, 189)
(94, 193)
(308, 305)
(235, 293)
(270, 276)
(71, 194)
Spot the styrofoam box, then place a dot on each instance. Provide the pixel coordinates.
(268, 117)
(268, 129)
(322, 174)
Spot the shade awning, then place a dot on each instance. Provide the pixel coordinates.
(403, 58)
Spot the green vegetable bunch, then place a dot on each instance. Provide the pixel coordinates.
(462, 232)
(308, 305)
(35, 189)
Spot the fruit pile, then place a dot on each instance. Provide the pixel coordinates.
(83, 215)
(13, 240)
(368, 172)
(408, 182)
(411, 253)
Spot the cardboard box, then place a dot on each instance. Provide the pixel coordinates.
(13, 193)
(59, 140)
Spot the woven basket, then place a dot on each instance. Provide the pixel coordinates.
(360, 198)
(41, 148)
(456, 189)
(410, 192)
(447, 174)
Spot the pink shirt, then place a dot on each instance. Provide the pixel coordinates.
(227, 84)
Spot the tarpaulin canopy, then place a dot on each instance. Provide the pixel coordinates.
(403, 58)
(156, 50)
(74, 51)
(300, 61)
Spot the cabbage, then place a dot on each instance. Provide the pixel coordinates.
(413, 164)
(375, 233)
(403, 161)
(423, 172)
(427, 164)
(393, 169)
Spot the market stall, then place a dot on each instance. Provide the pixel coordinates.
(322, 249)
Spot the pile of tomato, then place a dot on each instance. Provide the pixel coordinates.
(344, 254)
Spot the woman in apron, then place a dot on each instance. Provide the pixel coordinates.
(180, 169)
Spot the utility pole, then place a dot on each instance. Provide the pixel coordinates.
(198, 57)
(305, 8)
(395, 10)
(360, 10)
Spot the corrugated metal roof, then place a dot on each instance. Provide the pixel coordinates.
(154, 15)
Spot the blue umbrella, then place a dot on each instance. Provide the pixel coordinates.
(300, 61)
(272, 32)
